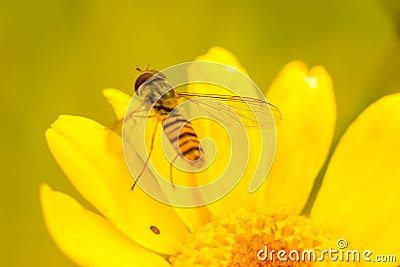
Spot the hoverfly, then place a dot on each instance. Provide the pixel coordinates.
(163, 99)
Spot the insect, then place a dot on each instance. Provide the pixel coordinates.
(155, 91)
(155, 229)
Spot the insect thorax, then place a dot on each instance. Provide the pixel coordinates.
(158, 92)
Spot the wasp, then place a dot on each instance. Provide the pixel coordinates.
(152, 86)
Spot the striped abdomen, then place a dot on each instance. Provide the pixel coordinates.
(182, 136)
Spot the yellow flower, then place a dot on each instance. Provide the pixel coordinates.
(358, 200)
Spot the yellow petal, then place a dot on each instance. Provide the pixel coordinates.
(92, 158)
(223, 163)
(223, 56)
(192, 217)
(89, 239)
(118, 100)
(360, 194)
(304, 136)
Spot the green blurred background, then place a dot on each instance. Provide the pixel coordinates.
(57, 56)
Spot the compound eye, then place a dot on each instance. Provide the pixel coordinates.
(141, 79)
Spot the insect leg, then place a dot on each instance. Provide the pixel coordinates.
(116, 125)
(171, 165)
(148, 157)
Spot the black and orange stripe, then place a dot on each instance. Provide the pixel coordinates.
(182, 136)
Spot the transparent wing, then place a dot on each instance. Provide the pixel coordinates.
(251, 111)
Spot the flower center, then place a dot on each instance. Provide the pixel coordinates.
(252, 239)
